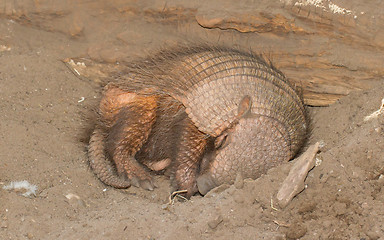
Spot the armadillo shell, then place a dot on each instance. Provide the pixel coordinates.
(211, 82)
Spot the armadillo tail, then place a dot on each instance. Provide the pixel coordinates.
(101, 165)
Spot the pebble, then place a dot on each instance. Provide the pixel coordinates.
(238, 198)
(239, 181)
(30, 236)
(214, 192)
(3, 224)
(373, 235)
(75, 201)
(340, 208)
(296, 231)
(215, 222)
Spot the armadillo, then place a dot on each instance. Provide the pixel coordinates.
(206, 113)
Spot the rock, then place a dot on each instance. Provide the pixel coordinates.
(77, 27)
(339, 208)
(75, 201)
(238, 198)
(215, 222)
(239, 181)
(217, 190)
(294, 183)
(296, 231)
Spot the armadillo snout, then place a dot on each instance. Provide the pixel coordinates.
(205, 183)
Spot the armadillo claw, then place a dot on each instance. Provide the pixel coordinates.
(205, 183)
(145, 183)
(135, 181)
(148, 185)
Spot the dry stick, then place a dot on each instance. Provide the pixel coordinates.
(174, 194)
(273, 207)
(281, 224)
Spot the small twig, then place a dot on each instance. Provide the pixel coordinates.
(281, 224)
(74, 69)
(184, 198)
(175, 194)
(273, 206)
(81, 99)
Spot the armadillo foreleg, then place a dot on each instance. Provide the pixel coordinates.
(126, 119)
(191, 148)
(125, 139)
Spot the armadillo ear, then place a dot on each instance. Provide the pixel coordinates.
(244, 106)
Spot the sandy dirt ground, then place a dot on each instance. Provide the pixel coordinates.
(44, 117)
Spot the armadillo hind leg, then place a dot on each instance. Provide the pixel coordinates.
(192, 145)
(127, 118)
(101, 166)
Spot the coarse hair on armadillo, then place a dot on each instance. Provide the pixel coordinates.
(211, 82)
(154, 69)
